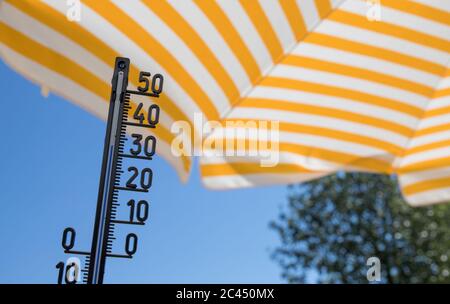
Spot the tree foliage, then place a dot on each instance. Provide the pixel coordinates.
(333, 225)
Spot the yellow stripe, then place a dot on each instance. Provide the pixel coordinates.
(434, 129)
(294, 17)
(333, 91)
(442, 93)
(427, 186)
(427, 147)
(209, 170)
(154, 49)
(347, 70)
(231, 36)
(420, 10)
(241, 168)
(323, 8)
(55, 20)
(338, 158)
(376, 52)
(195, 43)
(332, 134)
(437, 112)
(53, 61)
(232, 168)
(301, 108)
(344, 159)
(264, 28)
(425, 165)
(45, 14)
(391, 30)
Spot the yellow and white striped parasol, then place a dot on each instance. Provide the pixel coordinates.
(349, 92)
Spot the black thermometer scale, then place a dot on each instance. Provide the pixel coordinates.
(119, 189)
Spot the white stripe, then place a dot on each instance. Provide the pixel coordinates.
(251, 180)
(383, 41)
(331, 102)
(57, 83)
(440, 102)
(365, 62)
(312, 141)
(336, 3)
(309, 13)
(51, 39)
(445, 82)
(429, 197)
(203, 27)
(152, 24)
(279, 24)
(243, 25)
(349, 83)
(415, 177)
(439, 4)
(426, 155)
(319, 121)
(308, 162)
(434, 121)
(400, 18)
(418, 141)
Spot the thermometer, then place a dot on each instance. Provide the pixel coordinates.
(123, 184)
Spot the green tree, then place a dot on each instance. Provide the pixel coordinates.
(333, 225)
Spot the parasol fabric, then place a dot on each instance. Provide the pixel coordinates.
(354, 85)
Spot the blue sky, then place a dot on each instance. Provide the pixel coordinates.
(50, 158)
